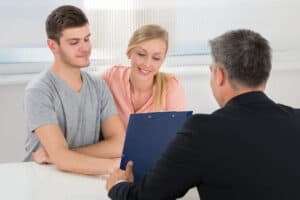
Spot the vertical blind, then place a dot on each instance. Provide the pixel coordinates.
(191, 23)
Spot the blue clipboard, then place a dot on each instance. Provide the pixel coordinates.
(147, 136)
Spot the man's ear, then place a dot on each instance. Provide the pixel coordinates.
(221, 76)
(52, 45)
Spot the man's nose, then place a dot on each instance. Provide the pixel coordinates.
(85, 46)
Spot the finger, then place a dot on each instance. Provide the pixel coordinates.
(109, 182)
(38, 153)
(39, 150)
(129, 168)
(106, 185)
(37, 159)
(35, 153)
(40, 157)
(47, 160)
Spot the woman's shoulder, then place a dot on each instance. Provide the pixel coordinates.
(173, 81)
(175, 97)
(115, 71)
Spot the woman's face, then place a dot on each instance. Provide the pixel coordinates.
(147, 57)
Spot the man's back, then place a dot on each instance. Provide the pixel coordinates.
(250, 150)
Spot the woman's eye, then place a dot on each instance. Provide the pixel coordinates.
(141, 54)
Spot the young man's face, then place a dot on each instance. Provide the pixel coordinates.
(75, 47)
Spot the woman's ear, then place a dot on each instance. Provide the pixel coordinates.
(129, 54)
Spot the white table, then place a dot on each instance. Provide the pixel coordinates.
(31, 181)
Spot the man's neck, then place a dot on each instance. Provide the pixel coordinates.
(70, 75)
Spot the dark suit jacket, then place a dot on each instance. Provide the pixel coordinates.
(249, 149)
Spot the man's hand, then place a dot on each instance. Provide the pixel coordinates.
(115, 164)
(41, 156)
(120, 175)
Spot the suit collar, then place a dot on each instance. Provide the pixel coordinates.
(249, 98)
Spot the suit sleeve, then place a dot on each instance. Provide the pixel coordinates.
(173, 175)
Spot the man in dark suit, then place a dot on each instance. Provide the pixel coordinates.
(248, 149)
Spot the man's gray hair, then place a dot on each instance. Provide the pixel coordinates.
(246, 56)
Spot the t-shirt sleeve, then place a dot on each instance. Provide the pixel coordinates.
(175, 99)
(107, 103)
(39, 109)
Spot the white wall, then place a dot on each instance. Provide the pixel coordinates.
(12, 123)
(283, 86)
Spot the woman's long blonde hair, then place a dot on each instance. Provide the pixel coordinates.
(145, 33)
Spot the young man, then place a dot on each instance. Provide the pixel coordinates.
(248, 149)
(72, 121)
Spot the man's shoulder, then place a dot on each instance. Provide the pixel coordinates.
(93, 79)
(201, 117)
(290, 110)
(41, 82)
(213, 121)
(200, 120)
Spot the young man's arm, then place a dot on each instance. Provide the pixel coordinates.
(64, 159)
(112, 145)
(111, 126)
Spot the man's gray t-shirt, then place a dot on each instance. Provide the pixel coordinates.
(50, 100)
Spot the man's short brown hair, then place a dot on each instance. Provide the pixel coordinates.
(64, 17)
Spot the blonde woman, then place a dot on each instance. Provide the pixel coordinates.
(141, 87)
